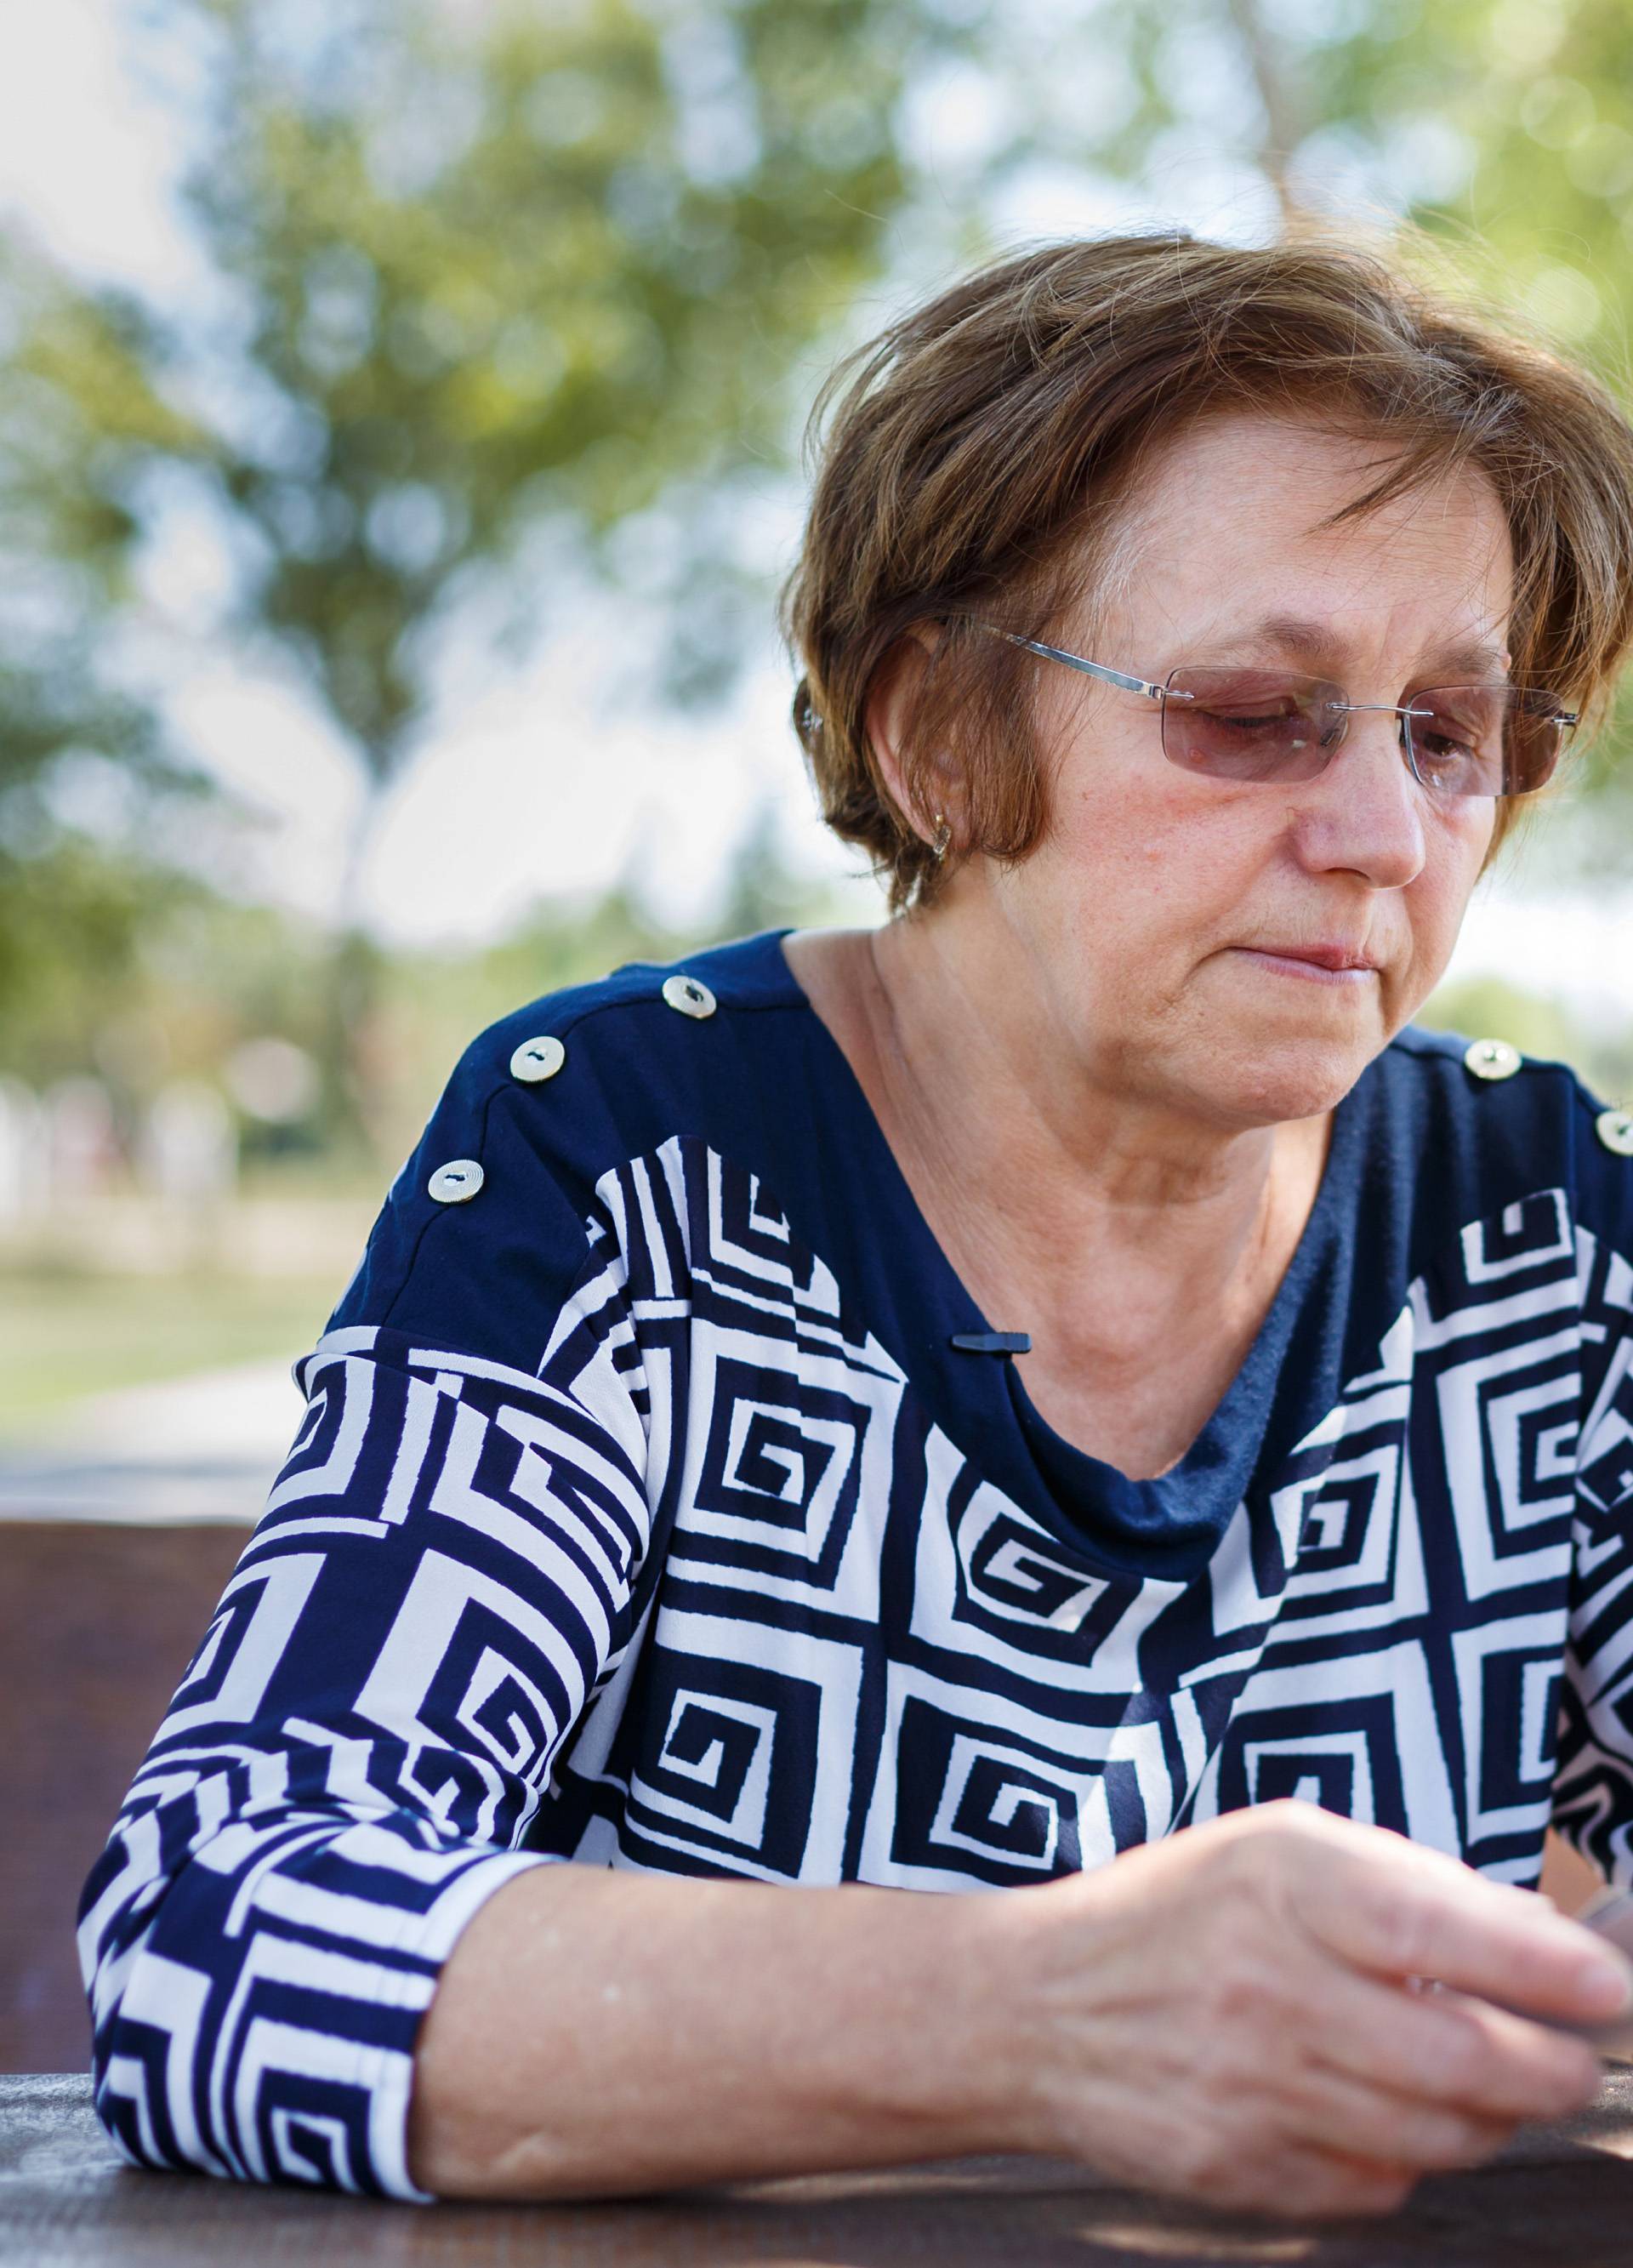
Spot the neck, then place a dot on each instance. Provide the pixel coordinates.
(1041, 1178)
(978, 1059)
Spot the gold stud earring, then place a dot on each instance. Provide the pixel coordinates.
(944, 836)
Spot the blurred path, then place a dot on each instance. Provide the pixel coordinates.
(205, 1446)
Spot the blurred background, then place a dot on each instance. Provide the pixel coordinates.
(400, 414)
(400, 417)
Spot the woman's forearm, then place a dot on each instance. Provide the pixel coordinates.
(596, 2032)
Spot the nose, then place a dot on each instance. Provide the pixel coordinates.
(1364, 814)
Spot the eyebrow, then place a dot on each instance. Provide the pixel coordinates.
(1313, 641)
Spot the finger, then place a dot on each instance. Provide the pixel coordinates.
(1449, 2048)
(1302, 2183)
(1398, 1916)
(1329, 2107)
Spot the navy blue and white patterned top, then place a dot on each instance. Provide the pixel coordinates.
(643, 1513)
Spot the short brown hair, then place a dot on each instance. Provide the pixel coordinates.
(984, 441)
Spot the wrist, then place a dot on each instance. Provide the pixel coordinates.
(986, 2051)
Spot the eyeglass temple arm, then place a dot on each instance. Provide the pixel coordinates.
(1119, 677)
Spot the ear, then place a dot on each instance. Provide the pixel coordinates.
(891, 696)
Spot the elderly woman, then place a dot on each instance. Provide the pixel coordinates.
(999, 1403)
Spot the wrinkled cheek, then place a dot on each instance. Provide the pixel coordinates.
(1467, 825)
(1143, 822)
(1135, 861)
(1432, 934)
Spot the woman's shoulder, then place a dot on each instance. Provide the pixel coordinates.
(493, 1210)
(624, 1055)
(638, 1002)
(1506, 1124)
(601, 1072)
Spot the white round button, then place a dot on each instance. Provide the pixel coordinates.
(453, 1184)
(1492, 1060)
(537, 1059)
(690, 996)
(1614, 1130)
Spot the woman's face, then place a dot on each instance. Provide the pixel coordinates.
(1151, 914)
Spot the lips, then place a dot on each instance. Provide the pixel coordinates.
(1324, 956)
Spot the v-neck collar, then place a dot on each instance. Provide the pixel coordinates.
(1168, 1524)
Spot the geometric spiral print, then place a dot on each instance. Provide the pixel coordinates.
(708, 1592)
(350, 1762)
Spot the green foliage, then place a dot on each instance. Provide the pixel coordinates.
(507, 270)
(80, 418)
(68, 948)
(140, 974)
(486, 283)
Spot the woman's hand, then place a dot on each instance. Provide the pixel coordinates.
(1227, 2014)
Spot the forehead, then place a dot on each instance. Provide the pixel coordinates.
(1233, 520)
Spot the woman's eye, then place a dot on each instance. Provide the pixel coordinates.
(1230, 723)
(1445, 763)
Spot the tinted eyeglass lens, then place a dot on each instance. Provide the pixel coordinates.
(1260, 724)
(1250, 724)
(1484, 740)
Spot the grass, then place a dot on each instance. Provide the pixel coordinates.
(65, 1335)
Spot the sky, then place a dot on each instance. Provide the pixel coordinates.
(541, 785)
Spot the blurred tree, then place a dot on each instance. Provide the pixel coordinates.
(492, 280)
(112, 965)
(77, 412)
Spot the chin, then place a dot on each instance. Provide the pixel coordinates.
(1282, 1080)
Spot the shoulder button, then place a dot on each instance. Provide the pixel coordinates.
(1492, 1060)
(1614, 1130)
(454, 1183)
(690, 995)
(537, 1059)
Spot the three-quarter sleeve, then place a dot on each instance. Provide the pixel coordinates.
(445, 1572)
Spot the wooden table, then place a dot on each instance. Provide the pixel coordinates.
(1557, 2197)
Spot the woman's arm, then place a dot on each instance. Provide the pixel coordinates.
(1219, 2015)
(351, 1763)
(596, 2032)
